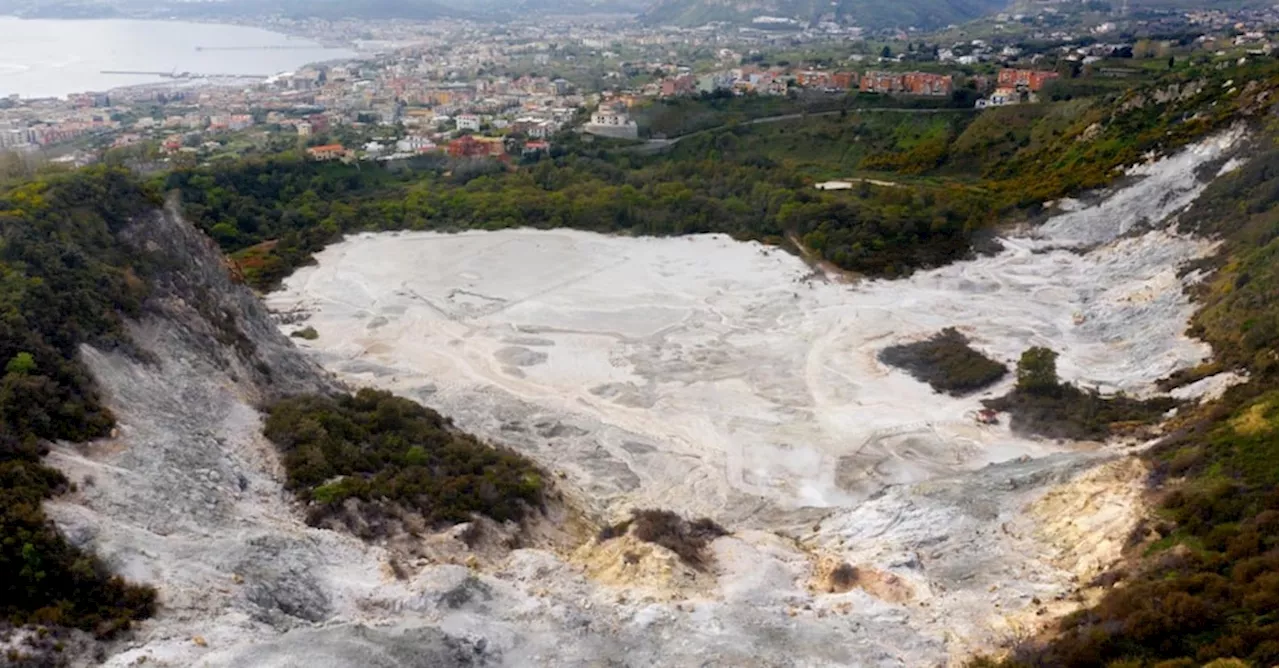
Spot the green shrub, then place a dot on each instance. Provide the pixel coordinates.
(1041, 405)
(1076, 414)
(946, 362)
(374, 446)
(1038, 372)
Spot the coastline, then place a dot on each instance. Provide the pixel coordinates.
(31, 74)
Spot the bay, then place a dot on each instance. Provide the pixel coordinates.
(56, 58)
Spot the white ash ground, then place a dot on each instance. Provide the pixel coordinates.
(712, 376)
(711, 390)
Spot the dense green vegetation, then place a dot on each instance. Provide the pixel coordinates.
(1042, 405)
(946, 362)
(271, 215)
(1238, 313)
(687, 538)
(1087, 148)
(394, 454)
(64, 281)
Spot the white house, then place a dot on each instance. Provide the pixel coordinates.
(615, 123)
(415, 144)
(469, 122)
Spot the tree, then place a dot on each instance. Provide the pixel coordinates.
(1038, 371)
(886, 52)
(21, 364)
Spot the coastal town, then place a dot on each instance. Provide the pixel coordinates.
(469, 90)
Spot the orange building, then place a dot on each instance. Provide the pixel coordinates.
(911, 83)
(923, 83)
(1033, 80)
(493, 146)
(812, 79)
(327, 152)
(468, 146)
(881, 82)
(681, 85)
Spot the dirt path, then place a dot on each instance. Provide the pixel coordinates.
(826, 268)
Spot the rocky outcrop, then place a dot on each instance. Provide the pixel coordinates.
(186, 494)
(211, 312)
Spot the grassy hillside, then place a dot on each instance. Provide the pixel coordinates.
(680, 116)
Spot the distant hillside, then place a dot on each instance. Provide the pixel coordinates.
(559, 7)
(222, 9)
(1225, 5)
(321, 9)
(871, 14)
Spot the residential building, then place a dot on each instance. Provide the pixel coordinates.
(1032, 80)
(923, 83)
(911, 83)
(533, 147)
(415, 144)
(327, 152)
(681, 85)
(880, 82)
(1003, 96)
(612, 122)
(844, 80)
(467, 147)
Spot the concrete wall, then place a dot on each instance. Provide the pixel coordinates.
(629, 131)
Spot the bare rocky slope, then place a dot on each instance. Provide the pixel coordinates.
(187, 496)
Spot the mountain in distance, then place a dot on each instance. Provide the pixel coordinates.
(871, 14)
(418, 10)
(557, 7)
